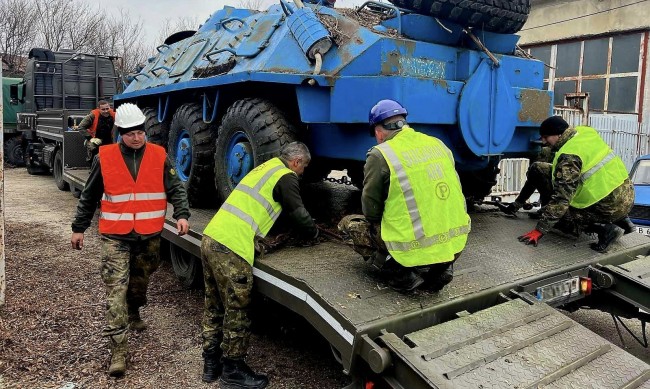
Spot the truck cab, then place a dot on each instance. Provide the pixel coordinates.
(58, 90)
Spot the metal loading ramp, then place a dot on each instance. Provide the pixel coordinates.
(514, 345)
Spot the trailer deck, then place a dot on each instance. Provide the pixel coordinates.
(483, 338)
(471, 334)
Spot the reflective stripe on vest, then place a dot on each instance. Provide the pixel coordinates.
(250, 211)
(129, 205)
(602, 171)
(422, 173)
(93, 127)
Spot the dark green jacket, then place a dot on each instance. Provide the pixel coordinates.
(104, 128)
(287, 193)
(376, 181)
(94, 189)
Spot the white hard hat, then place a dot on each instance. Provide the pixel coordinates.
(128, 115)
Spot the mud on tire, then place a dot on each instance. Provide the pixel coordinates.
(502, 16)
(14, 152)
(157, 132)
(190, 148)
(260, 127)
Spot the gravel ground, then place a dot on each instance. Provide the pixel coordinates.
(51, 323)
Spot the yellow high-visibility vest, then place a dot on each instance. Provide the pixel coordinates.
(425, 220)
(249, 211)
(602, 170)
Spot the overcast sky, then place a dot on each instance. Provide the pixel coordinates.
(153, 13)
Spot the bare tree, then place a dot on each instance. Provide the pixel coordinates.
(66, 24)
(122, 37)
(16, 33)
(169, 27)
(251, 4)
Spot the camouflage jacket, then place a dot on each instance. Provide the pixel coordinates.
(94, 190)
(566, 180)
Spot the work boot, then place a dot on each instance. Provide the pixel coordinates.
(405, 280)
(118, 356)
(211, 365)
(435, 282)
(607, 234)
(237, 375)
(626, 224)
(135, 322)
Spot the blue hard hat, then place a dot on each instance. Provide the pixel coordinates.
(385, 109)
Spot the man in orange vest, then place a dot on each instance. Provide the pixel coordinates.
(134, 181)
(97, 128)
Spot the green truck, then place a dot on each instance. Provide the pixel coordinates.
(13, 145)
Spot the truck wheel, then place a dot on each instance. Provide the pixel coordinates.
(478, 184)
(316, 171)
(57, 170)
(157, 132)
(252, 132)
(190, 148)
(14, 154)
(502, 16)
(187, 267)
(355, 172)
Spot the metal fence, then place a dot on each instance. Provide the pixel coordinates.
(626, 136)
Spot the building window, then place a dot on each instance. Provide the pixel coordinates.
(608, 68)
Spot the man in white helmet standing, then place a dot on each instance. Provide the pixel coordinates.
(134, 181)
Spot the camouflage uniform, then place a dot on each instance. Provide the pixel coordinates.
(610, 209)
(228, 286)
(125, 270)
(129, 259)
(229, 278)
(536, 179)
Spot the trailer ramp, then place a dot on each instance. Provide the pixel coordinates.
(511, 345)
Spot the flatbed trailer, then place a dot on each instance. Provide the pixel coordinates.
(491, 327)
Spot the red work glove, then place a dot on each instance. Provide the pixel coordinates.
(531, 237)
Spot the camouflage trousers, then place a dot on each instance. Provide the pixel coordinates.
(125, 270)
(228, 286)
(612, 208)
(365, 239)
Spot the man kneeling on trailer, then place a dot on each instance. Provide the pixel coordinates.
(414, 223)
(228, 250)
(590, 187)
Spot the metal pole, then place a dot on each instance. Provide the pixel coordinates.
(2, 204)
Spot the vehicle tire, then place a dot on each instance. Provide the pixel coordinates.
(190, 148)
(502, 16)
(355, 172)
(316, 171)
(252, 131)
(14, 152)
(57, 171)
(187, 267)
(157, 132)
(478, 184)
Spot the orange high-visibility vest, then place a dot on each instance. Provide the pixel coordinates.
(129, 205)
(96, 113)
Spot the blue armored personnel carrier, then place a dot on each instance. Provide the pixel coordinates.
(224, 98)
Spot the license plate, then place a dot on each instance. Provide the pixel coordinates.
(558, 290)
(643, 230)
